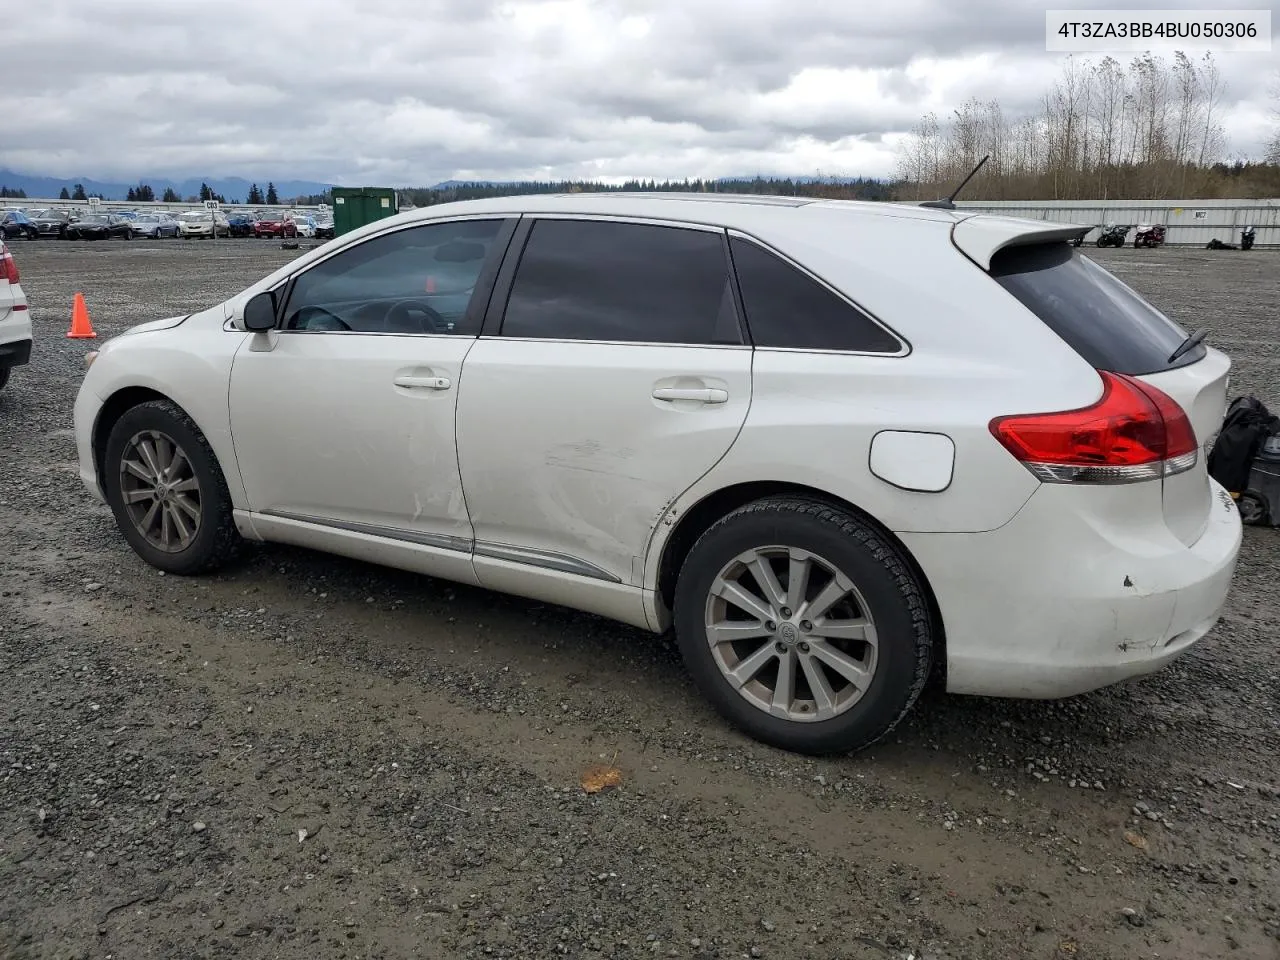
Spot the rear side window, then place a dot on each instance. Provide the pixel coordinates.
(604, 280)
(787, 308)
(1099, 316)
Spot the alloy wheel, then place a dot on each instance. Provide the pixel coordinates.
(160, 491)
(791, 633)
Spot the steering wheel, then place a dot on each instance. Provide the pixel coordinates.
(328, 319)
(398, 316)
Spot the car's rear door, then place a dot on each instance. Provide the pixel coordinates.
(613, 372)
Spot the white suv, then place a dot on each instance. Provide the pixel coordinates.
(834, 444)
(15, 318)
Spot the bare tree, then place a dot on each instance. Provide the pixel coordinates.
(1151, 129)
(1273, 145)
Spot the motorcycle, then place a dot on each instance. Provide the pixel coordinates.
(1149, 235)
(1112, 235)
(1247, 236)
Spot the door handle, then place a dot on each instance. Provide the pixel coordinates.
(700, 394)
(425, 383)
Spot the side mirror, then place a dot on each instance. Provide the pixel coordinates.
(260, 312)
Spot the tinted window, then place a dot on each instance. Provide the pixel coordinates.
(417, 280)
(590, 280)
(787, 308)
(1100, 317)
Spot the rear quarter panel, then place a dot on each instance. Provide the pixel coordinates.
(975, 353)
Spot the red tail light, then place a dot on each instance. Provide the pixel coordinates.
(1135, 432)
(8, 267)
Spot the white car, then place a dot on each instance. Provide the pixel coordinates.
(204, 223)
(15, 318)
(833, 444)
(305, 223)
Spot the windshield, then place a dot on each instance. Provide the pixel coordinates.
(195, 217)
(96, 218)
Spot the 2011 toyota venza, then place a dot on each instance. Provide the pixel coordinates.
(835, 445)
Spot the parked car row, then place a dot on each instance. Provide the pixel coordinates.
(21, 224)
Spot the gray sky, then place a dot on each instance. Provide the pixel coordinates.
(409, 92)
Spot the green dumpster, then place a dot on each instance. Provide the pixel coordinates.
(355, 206)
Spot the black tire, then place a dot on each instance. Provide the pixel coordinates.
(216, 540)
(1253, 509)
(894, 599)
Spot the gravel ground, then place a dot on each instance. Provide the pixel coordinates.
(310, 757)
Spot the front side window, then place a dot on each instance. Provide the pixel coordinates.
(612, 281)
(787, 308)
(417, 280)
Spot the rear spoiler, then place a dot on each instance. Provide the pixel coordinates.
(980, 237)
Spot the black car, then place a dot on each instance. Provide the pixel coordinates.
(241, 224)
(99, 226)
(51, 223)
(15, 223)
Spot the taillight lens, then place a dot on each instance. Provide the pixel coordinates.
(8, 267)
(1135, 432)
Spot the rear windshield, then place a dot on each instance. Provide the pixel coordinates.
(1101, 318)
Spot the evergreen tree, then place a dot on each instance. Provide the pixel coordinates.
(272, 196)
(78, 193)
(255, 195)
(132, 195)
(63, 195)
(171, 195)
(143, 193)
(205, 192)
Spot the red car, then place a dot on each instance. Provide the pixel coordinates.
(275, 226)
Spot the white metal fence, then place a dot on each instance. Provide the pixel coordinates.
(1190, 222)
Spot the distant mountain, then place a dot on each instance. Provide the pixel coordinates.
(233, 188)
(449, 184)
(833, 179)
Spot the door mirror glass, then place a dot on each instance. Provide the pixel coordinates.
(260, 312)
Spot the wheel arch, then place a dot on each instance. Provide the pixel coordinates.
(698, 518)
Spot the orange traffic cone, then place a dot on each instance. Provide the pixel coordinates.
(81, 328)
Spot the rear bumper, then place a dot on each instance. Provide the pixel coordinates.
(16, 352)
(1062, 601)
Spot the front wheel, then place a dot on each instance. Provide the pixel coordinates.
(166, 490)
(803, 625)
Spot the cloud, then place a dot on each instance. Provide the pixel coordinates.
(408, 92)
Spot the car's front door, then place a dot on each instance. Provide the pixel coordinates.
(347, 420)
(618, 376)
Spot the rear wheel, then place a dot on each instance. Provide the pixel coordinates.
(803, 625)
(166, 490)
(1253, 509)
